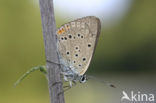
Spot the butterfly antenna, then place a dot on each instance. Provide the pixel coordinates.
(97, 79)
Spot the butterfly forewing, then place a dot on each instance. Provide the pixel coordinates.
(76, 42)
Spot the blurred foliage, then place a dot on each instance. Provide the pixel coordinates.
(128, 45)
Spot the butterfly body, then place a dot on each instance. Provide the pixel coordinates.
(76, 42)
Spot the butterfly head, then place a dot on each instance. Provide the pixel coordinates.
(83, 79)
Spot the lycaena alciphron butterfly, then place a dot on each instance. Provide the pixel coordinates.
(76, 45)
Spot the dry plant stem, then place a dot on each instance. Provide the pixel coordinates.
(49, 33)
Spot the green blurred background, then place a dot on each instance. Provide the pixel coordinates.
(125, 55)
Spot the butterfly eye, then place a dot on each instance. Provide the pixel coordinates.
(83, 79)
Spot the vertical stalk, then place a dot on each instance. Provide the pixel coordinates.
(49, 34)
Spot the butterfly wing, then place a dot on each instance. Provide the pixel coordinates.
(77, 41)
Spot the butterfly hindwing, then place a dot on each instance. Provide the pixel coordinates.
(77, 41)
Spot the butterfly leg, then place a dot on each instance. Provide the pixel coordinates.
(71, 84)
(67, 87)
(74, 83)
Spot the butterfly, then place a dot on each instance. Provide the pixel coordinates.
(76, 43)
